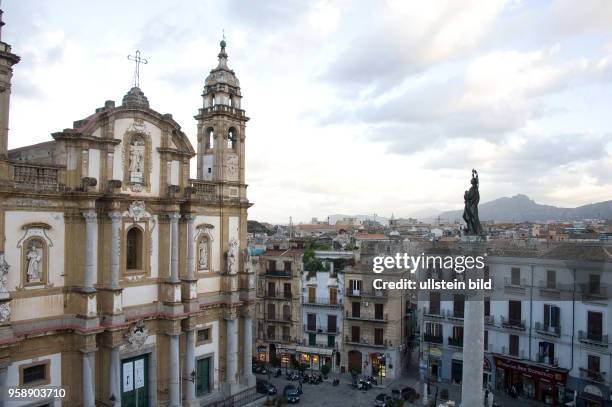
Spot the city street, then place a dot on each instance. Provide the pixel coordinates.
(343, 395)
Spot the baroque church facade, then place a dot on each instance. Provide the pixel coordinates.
(122, 280)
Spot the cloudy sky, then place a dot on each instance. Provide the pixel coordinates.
(356, 106)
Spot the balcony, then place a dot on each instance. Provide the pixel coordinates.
(278, 338)
(547, 360)
(547, 329)
(433, 339)
(366, 342)
(364, 317)
(512, 323)
(322, 345)
(277, 318)
(434, 312)
(384, 294)
(37, 177)
(276, 295)
(516, 287)
(456, 315)
(593, 293)
(592, 375)
(591, 338)
(321, 329)
(278, 274)
(205, 190)
(456, 342)
(322, 302)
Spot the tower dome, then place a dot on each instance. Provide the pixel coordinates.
(222, 74)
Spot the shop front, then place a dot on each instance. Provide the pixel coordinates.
(530, 381)
(434, 363)
(592, 396)
(379, 365)
(262, 354)
(314, 357)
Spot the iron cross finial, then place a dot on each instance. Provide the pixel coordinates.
(137, 60)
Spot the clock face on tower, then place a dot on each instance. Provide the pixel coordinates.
(231, 165)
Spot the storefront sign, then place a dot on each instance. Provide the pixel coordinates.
(532, 371)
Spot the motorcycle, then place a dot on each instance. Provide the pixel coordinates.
(364, 384)
(316, 379)
(372, 380)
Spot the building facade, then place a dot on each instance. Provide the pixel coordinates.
(279, 317)
(547, 321)
(122, 279)
(376, 322)
(323, 312)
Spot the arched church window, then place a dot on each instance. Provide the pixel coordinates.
(231, 138)
(133, 249)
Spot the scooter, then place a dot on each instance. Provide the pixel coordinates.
(372, 380)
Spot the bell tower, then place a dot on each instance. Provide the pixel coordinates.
(7, 60)
(221, 127)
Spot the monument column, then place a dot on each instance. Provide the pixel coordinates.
(472, 244)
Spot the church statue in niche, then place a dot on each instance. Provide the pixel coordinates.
(203, 255)
(231, 255)
(34, 258)
(136, 168)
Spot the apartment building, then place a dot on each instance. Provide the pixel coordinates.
(547, 321)
(279, 317)
(323, 311)
(376, 322)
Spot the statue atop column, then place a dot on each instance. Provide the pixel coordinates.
(470, 212)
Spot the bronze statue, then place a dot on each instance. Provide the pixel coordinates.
(470, 213)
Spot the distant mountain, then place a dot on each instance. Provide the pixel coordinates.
(259, 227)
(520, 208)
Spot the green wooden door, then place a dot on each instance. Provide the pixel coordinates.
(202, 376)
(135, 382)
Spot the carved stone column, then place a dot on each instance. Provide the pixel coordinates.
(88, 378)
(174, 381)
(190, 248)
(249, 378)
(189, 367)
(115, 248)
(231, 356)
(174, 248)
(115, 376)
(90, 251)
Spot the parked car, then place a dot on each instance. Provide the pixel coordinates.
(291, 393)
(407, 393)
(265, 387)
(383, 400)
